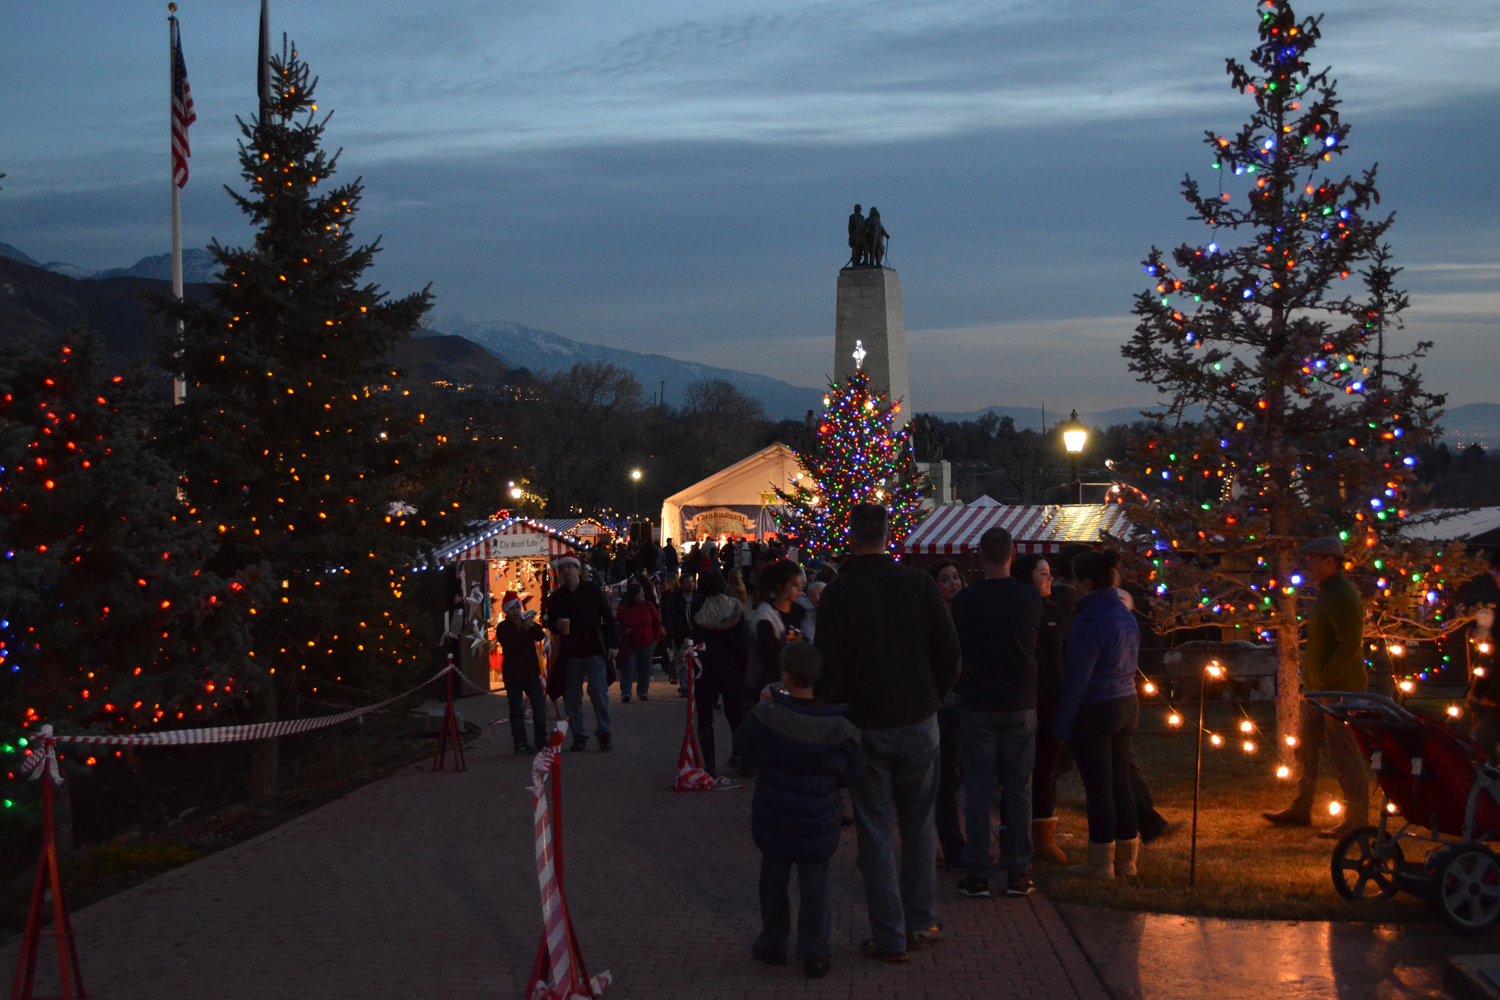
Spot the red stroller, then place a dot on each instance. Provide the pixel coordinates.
(1441, 785)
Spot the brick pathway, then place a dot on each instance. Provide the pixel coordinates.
(423, 885)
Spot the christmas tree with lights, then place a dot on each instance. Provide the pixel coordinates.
(859, 457)
(109, 620)
(296, 446)
(1310, 417)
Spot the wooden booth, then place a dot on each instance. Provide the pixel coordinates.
(512, 553)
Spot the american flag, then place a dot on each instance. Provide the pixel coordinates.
(182, 111)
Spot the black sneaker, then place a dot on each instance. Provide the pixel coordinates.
(578, 745)
(974, 887)
(625, 698)
(815, 970)
(524, 748)
(870, 949)
(1019, 884)
(766, 955)
(643, 698)
(604, 743)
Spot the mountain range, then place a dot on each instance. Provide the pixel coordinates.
(197, 266)
(540, 350)
(38, 298)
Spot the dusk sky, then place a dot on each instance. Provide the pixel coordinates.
(674, 177)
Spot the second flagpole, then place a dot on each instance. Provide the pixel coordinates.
(179, 385)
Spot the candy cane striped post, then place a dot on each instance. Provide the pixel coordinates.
(450, 727)
(43, 764)
(558, 972)
(691, 776)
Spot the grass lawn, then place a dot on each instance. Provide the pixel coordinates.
(1246, 867)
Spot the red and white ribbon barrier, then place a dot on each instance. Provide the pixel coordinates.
(252, 731)
(691, 776)
(558, 972)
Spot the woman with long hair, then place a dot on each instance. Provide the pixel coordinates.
(1034, 568)
(1097, 712)
(950, 580)
(778, 617)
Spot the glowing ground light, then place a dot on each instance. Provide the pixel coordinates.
(1174, 719)
(1214, 670)
(1216, 740)
(1407, 686)
(1291, 741)
(1335, 807)
(1248, 747)
(1247, 726)
(1454, 711)
(1150, 688)
(1283, 771)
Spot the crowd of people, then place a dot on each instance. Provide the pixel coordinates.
(903, 687)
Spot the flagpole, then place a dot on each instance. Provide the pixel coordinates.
(179, 385)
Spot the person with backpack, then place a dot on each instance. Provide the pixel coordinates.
(719, 625)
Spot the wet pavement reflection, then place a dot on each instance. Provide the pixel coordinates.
(1149, 956)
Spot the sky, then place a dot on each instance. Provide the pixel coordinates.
(674, 176)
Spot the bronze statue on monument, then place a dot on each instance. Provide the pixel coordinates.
(867, 239)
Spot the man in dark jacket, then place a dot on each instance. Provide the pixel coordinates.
(997, 619)
(804, 751)
(578, 614)
(890, 652)
(674, 618)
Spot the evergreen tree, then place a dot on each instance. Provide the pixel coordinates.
(1310, 425)
(109, 620)
(859, 457)
(296, 448)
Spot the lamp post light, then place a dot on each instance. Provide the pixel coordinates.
(1075, 437)
(635, 485)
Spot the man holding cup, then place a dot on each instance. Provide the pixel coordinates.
(578, 614)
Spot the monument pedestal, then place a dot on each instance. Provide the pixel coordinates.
(869, 318)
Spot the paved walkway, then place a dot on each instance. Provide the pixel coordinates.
(424, 885)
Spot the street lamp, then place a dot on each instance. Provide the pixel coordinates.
(515, 491)
(635, 483)
(1075, 437)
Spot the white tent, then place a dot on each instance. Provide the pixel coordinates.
(738, 500)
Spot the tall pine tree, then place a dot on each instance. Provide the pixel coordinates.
(859, 457)
(110, 620)
(1310, 422)
(296, 449)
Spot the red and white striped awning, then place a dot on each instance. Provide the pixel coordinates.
(510, 538)
(1047, 528)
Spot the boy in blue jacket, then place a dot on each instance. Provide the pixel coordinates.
(803, 751)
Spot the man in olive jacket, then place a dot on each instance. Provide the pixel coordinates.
(891, 653)
(1333, 659)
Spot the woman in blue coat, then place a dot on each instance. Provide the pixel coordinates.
(1098, 713)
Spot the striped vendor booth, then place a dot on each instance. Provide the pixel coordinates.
(1046, 528)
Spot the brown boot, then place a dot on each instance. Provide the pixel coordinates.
(1044, 841)
(1100, 866)
(1126, 853)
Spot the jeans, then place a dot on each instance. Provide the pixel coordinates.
(518, 695)
(635, 664)
(679, 661)
(897, 790)
(950, 833)
(998, 745)
(1102, 735)
(814, 920)
(1048, 752)
(590, 668)
(1348, 763)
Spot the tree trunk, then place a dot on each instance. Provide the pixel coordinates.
(265, 755)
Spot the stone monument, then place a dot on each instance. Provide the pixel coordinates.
(869, 320)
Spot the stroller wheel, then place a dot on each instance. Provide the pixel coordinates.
(1363, 868)
(1468, 883)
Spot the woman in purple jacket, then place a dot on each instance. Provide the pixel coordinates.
(1098, 713)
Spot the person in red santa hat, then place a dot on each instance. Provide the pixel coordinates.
(518, 635)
